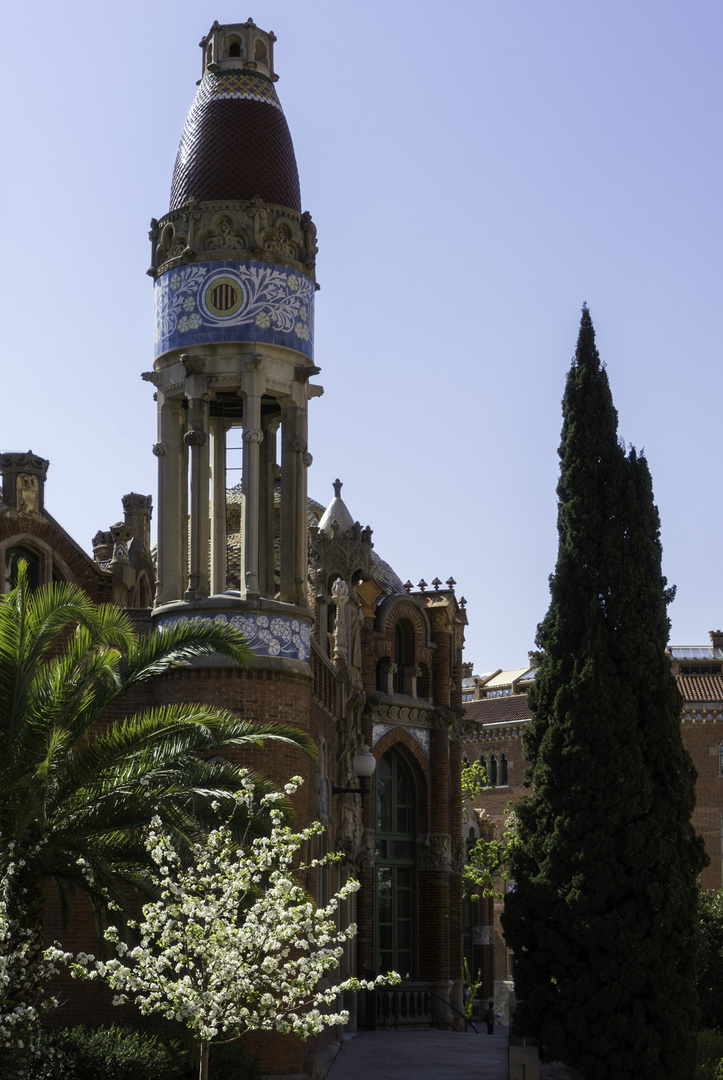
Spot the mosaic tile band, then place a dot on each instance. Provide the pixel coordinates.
(267, 635)
(237, 84)
(234, 301)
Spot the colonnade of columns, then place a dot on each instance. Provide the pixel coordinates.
(194, 427)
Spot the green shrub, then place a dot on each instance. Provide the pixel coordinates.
(709, 1064)
(106, 1053)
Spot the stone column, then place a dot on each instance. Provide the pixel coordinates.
(303, 462)
(253, 437)
(218, 506)
(197, 439)
(289, 496)
(172, 516)
(267, 471)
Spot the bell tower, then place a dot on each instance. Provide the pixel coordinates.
(233, 263)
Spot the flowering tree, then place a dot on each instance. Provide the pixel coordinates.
(235, 944)
(22, 1000)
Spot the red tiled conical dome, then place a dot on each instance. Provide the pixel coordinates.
(236, 144)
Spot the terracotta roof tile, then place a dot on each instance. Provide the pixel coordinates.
(701, 687)
(236, 145)
(499, 710)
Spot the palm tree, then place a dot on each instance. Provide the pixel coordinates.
(77, 791)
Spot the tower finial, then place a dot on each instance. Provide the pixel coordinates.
(337, 485)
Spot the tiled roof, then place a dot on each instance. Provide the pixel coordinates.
(506, 678)
(701, 687)
(499, 710)
(236, 144)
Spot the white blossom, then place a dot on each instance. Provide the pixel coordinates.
(234, 943)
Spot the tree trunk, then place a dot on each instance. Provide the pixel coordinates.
(203, 1061)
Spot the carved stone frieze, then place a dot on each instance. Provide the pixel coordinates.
(251, 229)
(435, 853)
(459, 855)
(27, 493)
(483, 935)
(443, 720)
(403, 714)
(174, 389)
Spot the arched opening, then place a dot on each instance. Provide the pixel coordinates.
(34, 562)
(260, 52)
(395, 884)
(502, 775)
(403, 654)
(492, 770)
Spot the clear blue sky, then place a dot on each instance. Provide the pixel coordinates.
(476, 171)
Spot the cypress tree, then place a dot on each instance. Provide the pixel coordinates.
(602, 918)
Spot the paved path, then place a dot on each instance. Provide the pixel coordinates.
(421, 1055)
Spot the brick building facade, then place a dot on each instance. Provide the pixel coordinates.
(344, 650)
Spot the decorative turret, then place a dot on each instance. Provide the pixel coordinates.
(233, 263)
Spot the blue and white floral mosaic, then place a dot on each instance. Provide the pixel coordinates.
(229, 300)
(267, 635)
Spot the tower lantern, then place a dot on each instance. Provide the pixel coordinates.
(234, 268)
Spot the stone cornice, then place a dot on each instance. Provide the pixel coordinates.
(250, 229)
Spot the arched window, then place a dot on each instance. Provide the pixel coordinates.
(403, 654)
(395, 901)
(502, 780)
(399, 659)
(492, 770)
(34, 561)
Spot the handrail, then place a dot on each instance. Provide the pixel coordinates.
(455, 1010)
(394, 993)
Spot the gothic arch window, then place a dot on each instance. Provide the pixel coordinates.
(260, 52)
(34, 562)
(502, 774)
(143, 597)
(42, 566)
(492, 770)
(395, 899)
(403, 653)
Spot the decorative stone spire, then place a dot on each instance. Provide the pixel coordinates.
(337, 514)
